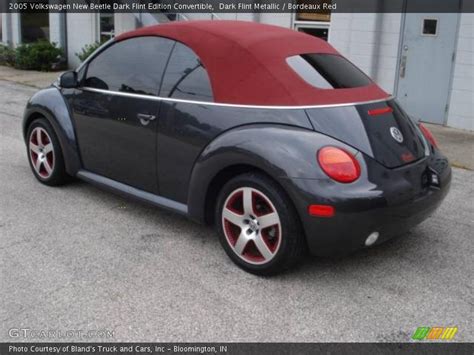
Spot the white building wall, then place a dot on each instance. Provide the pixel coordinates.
(371, 41)
(16, 29)
(82, 29)
(223, 16)
(272, 19)
(55, 28)
(124, 22)
(461, 106)
(283, 20)
(5, 29)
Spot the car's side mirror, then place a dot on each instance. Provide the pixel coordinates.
(68, 80)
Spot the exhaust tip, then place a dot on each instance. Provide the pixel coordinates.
(371, 239)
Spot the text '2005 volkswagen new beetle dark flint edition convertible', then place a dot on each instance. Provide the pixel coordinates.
(267, 133)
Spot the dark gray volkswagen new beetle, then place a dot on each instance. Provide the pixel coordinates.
(268, 133)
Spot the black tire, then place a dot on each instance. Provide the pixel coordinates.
(289, 245)
(57, 173)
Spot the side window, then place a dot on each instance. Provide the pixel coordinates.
(185, 77)
(135, 66)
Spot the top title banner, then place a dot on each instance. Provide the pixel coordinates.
(239, 6)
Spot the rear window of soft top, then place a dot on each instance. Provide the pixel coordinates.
(328, 71)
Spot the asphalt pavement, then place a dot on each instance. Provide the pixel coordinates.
(79, 259)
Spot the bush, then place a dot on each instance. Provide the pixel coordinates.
(41, 55)
(87, 50)
(7, 55)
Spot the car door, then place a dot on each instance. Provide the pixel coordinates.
(116, 108)
(182, 133)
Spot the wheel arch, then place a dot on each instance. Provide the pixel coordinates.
(51, 105)
(290, 152)
(218, 182)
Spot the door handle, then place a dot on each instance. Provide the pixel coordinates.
(145, 119)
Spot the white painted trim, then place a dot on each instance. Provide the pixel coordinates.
(423, 25)
(311, 24)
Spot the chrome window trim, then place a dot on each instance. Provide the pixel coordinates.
(169, 99)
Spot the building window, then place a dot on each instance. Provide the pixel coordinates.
(430, 27)
(315, 22)
(323, 15)
(1, 27)
(34, 26)
(317, 31)
(106, 26)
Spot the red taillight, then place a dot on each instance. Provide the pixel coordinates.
(428, 135)
(321, 210)
(338, 164)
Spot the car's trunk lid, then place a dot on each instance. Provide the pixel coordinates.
(381, 130)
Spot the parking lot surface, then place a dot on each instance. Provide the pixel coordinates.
(78, 258)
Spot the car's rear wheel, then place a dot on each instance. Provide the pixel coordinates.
(44, 153)
(258, 225)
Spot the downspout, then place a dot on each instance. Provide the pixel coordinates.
(63, 34)
(377, 40)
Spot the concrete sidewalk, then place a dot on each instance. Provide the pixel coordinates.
(458, 145)
(37, 79)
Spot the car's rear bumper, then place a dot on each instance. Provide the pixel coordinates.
(386, 201)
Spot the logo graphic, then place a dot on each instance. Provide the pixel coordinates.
(435, 333)
(396, 134)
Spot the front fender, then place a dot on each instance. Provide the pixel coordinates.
(280, 151)
(51, 104)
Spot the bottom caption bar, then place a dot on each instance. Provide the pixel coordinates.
(234, 348)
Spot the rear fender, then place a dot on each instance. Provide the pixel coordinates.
(281, 151)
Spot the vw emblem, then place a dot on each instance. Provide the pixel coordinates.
(396, 134)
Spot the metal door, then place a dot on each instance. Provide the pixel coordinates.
(426, 63)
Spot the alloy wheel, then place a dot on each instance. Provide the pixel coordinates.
(41, 151)
(251, 225)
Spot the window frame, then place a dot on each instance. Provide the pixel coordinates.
(202, 65)
(109, 44)
(321, 24)
(423, 27)
(85, 68)
(100, 32)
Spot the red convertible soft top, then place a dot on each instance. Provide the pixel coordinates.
(246, 62)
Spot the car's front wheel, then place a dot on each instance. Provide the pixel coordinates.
(44, 153)
(258, 225)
